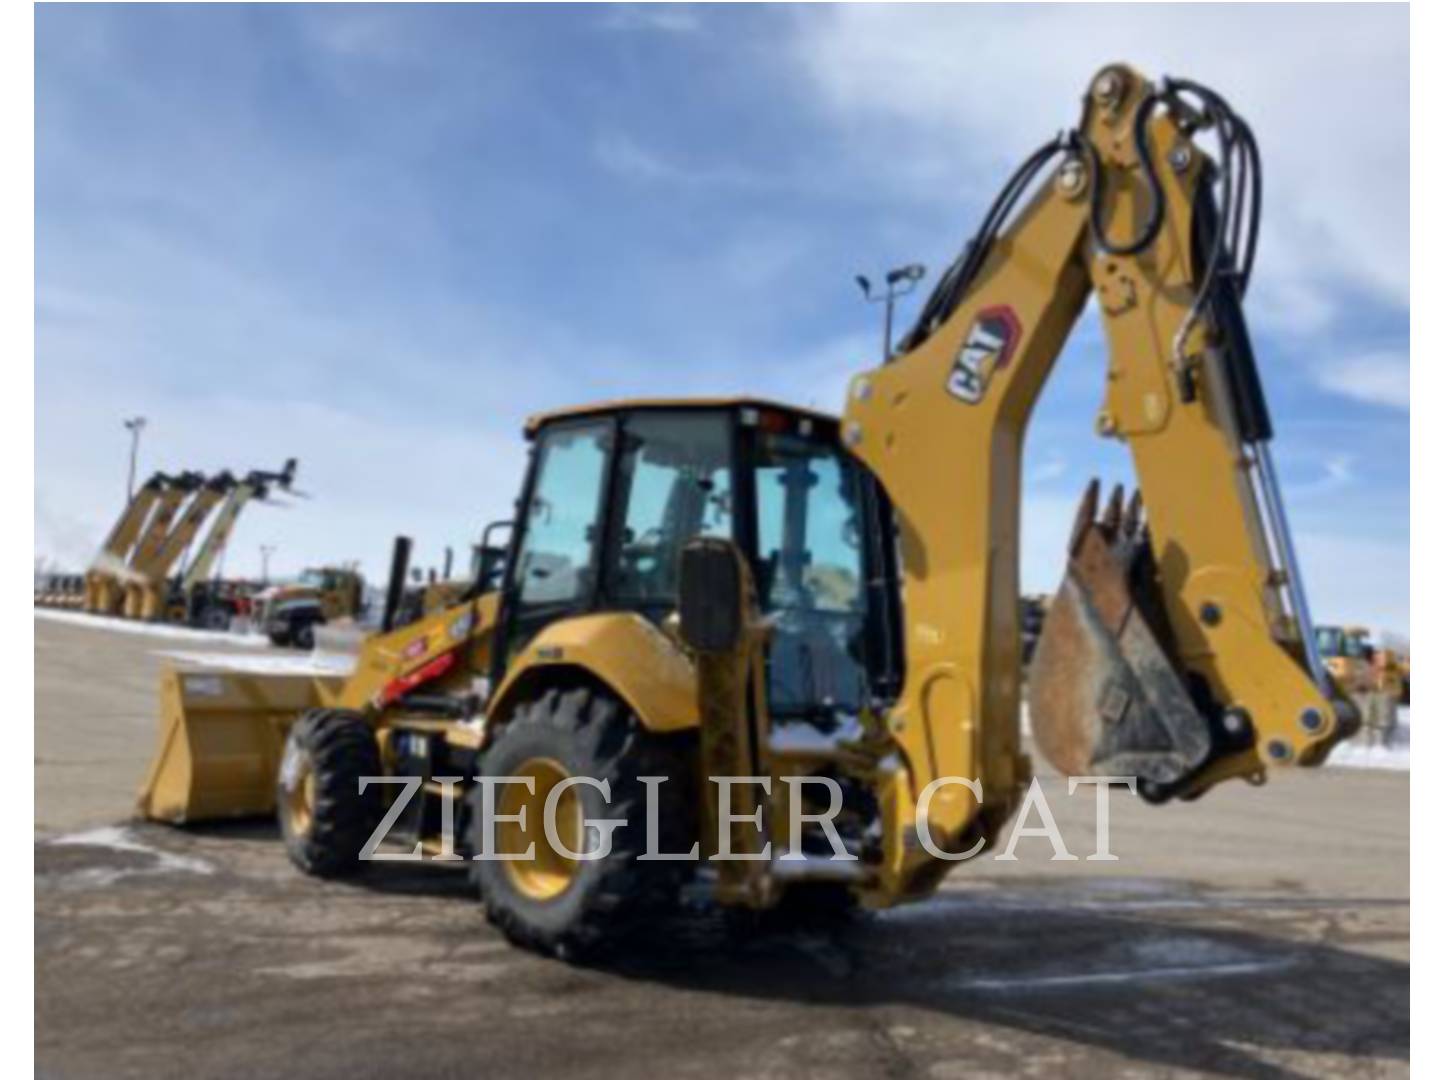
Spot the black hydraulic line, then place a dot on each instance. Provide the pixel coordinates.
(1228, 239)
(1156, 215)
(1245, 263)
(1247, 393)
(960, 274)
(1240, 154)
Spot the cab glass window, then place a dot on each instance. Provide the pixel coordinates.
(810, 572)
(557, 553)
(674, 482)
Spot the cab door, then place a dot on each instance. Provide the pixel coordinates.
(554, 571)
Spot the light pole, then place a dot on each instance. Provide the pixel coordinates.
(898, 282)
(134, 425)
(266, 550)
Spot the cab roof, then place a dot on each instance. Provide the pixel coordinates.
(609, 408)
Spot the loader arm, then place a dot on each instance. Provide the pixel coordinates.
(219, 534)
(145, 596)
(157, 527)
(122, 537)
(1185, 655)
(101, 587)
(256, 484)
(180, 537)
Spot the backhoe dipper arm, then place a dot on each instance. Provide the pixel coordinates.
(1179, 663)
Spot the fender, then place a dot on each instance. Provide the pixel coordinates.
(644, 667)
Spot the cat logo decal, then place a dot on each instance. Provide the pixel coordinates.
(986, 349)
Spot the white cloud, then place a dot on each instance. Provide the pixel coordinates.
(623, 156)
(627, 157)
(1052, 468)
(931, 94)
(371, 33)
(661, 18)
(1381, 378)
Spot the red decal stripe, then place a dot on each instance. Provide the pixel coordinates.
(405, 683)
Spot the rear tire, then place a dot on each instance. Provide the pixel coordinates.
(586, 731)
(325, 819)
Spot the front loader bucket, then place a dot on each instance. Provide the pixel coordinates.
(221, 737)
(1105, 698)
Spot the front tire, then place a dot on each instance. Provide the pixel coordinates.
(325, 819)
(564, 907)
(303, 635)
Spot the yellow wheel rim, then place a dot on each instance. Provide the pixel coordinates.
(549, 872)
(300, 801)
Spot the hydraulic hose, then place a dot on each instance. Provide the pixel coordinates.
(1156, 216)
(955, 282)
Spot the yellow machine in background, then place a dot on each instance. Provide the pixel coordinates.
(131, 574)
(737, 588)
(145, 591)
(1349, 657)
(1359, 666)
(198, 597)
(148, 512)
(289, 613)
(1392, 672)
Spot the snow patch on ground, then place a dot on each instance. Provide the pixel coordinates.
(295, 664)
(148, 629)
(1163, 959)
(1357, 754)
(1171, 973)
(120, 838)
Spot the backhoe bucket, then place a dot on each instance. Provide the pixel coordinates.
(1105, 698)
(221, 737)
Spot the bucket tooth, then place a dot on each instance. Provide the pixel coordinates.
(1085, 514)
(1134, 516)
(1105, 697)
(1113, 510)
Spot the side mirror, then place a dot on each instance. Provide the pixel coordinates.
(712, 601)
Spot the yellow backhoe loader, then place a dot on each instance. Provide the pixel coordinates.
(809, 606)
(1349, 657)
(1376, 680)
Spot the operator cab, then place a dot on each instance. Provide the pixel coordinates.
(615, 492)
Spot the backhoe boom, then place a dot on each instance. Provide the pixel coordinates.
(1190, 598)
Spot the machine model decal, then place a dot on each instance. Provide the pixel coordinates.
(987, 348)
(204, 685)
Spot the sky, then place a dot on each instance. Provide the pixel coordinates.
(377, 238)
